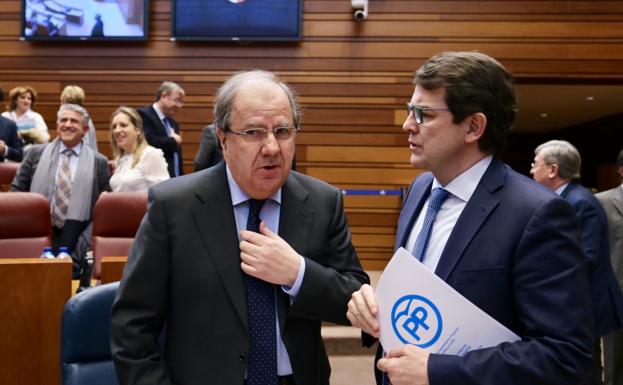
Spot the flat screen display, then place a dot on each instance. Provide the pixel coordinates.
(236, 20)
(85, 19)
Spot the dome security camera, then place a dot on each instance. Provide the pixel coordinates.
(361, 9)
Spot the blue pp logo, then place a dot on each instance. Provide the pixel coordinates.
(416, 321)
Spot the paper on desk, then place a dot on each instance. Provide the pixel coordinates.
(417, 307)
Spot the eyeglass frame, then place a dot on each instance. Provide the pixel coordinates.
(251, 139)
(418, 112)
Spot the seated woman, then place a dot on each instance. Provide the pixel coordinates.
(75, 95)
(30, 125)
(138, 166)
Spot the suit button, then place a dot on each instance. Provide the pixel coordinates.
(242, 357)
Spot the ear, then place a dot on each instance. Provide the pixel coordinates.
(621, 171)
(476, 126)
(553, 171)
(221, 137)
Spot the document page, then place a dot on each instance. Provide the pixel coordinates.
(417, 307)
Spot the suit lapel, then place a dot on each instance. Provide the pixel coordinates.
(295, 223)
(617, 199)
(475, 213)
(416, 197)
(214, 218)
(157, 120)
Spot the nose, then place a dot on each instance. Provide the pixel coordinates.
(410, 125)
(270, 146)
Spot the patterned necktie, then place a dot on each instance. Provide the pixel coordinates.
(176, 159)
(262, 369)
(436, 200)
(62, 194)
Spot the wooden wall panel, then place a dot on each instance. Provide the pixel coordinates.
(353, 78)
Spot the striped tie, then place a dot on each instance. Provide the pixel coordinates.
(62, 194)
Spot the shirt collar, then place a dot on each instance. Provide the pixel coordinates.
(158, 112)
(561, 188)
(238, 196)
(464, 185)
(76, 148)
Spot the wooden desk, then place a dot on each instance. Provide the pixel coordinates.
(33, 293)
(112, 269)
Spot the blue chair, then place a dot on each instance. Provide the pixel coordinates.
(85, 338)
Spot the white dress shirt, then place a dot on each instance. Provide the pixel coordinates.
(461, 190)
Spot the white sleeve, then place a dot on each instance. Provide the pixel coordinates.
(41, 127)
(154, 166)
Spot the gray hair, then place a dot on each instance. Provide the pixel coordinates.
(565, 155)
(74, 107)
(166, 88)
(225, 95)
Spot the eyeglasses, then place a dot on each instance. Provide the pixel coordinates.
(256, 135)
(418, 112)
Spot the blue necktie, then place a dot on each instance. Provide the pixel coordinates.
(262, 369)
(176, 158)
(436, 200)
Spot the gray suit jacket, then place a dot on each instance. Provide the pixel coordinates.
(23, 177)
(184, 271)
(612, 201)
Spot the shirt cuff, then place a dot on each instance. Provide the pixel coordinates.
(294, 290)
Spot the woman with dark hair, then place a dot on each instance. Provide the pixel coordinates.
(138, 166)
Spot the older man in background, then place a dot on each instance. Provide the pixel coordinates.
(557, 165)
(71, 176)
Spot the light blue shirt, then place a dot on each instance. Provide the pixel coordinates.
(270, 215)
(73, 160)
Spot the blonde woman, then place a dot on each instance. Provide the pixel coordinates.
(75, 95)
(30, 125)
(138, 166)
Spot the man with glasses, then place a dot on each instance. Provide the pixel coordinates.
(557, 165)
(161, 129)
(241, 261)
(499, 239)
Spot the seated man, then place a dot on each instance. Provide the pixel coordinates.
(71, 176)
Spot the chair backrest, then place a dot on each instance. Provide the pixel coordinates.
(85, 338)
(116, 217)
(7, 173)
(25, 227)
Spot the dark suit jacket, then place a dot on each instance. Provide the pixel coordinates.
(184, 271)
(514, 253)
(605, 292)
(72, 228)
(8, 133)
(209, 152)
(156, 135)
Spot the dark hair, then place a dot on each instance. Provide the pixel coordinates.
(474, 82)
(225, 95)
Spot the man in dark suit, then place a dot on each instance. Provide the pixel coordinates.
(202, 261)
(10, 143)
(161, 129)
(210, 152)
(499, 239)
(557, 166)
(612, 202)
(67, 162)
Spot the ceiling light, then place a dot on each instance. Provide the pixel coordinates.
(590, 98)
(543, 115)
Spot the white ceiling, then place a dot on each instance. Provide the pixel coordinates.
(564, 105)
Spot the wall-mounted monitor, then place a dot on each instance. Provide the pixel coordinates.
(85, 19)
(236, 20)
